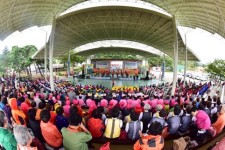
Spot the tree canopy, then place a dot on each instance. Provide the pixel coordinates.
(118, 55)
(216, 68)
(18, 59)
(74, 58)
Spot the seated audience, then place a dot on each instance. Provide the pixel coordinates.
(174, 120)
(73, 139)
(145, 117)
(220, 122)
(34, 125)
(185, 120)
(95, 124)
(133, 127)
(61, 121)
(113, 125)
(23, 138)
(49, 131)
(7, 139)
(153, 140)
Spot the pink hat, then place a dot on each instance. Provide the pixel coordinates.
(92, 105)
(129, 101)
(58, 97)
(75, 102)
(24, 107)
(123, 104)
(66, 109)
(104, 103)
(54, 100)
(129, 106)
(81, 102)
(67, 102)
(50, 96)
(88, 102)
(67, 98)
(42, 95)
(37, 94)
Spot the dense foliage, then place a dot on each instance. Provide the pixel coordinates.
(216, 68)
(18, 59)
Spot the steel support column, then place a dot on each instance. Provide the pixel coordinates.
(51, 49)
(175, 56)
(45, 56)
(185, 63)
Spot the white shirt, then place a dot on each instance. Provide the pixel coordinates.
(127, 126)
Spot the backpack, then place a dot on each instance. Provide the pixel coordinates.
(181, 143)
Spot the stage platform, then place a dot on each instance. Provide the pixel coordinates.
(108, 83)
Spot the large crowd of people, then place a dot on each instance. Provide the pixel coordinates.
(34, 117)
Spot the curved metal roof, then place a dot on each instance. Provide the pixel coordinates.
(115, 23)
(118, 50)
(19, 15)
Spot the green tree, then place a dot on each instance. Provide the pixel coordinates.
(74, 58)
(216, 68)
(113, 55)
(20, 58)
(4, 62)
(158, 60)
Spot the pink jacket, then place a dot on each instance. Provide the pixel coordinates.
(66, 109)
(202, 120)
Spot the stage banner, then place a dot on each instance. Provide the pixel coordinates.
(102, 64)
(131, 65)
(116, 65)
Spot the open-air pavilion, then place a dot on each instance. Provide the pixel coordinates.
(77, 22)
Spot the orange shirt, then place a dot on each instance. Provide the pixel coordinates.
(220, 123)
(38, 114)
(157, 143)
(51, 134)
(53, 117)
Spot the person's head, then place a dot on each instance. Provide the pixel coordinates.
(3, 119)
(158, 107)
(59, 110)
(177, 109)
(96, 114)
(208, 105)
(147, 107)
(188, 109)
(31, 114)
(115, 112)
(22, 135)
(194, 111)
(155, 128)
(41, 105)
(100, 109)
(73, 110)
(218, 102)
(48, 106)
(45, 115)
(162, 113)
(134, 116)
(75, 120)
(33, 104)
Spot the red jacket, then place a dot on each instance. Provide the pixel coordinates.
(51, 134)
(96, 127)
